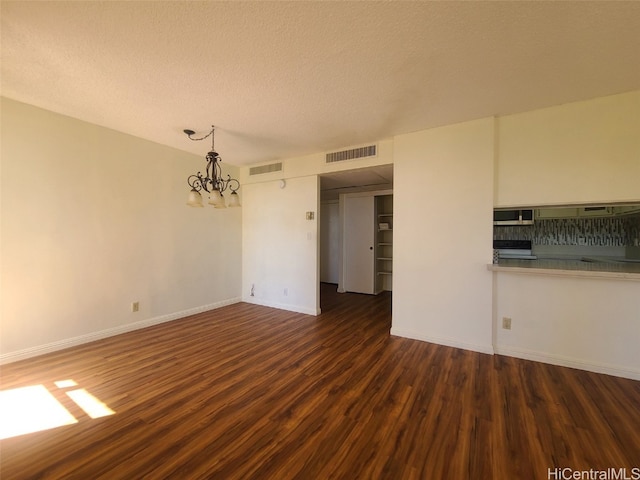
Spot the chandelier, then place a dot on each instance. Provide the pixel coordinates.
(212, 182)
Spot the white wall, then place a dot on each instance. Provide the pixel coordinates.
(587, 323)
(443, 201)
(280, 246)
(93, 220)
(582, 152)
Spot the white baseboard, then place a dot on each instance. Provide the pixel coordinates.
(563, 361)
(110, 332)
(525, 354)
(282, 306)
(449, 342)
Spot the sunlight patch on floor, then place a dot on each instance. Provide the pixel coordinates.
(65, 383)
(90, 404)
(34, 408)
(31, 409)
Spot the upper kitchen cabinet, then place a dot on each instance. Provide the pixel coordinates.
(597, 211)
(626, 210)
(579, 153)
(544, 213)
(574, 212)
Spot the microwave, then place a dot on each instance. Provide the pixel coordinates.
(520, 216)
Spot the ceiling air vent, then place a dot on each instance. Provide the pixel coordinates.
(361, 152)
(272, 167)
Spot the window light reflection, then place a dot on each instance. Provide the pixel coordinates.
(90, 404)
(34, 408)
(31, 409)
(65, 384)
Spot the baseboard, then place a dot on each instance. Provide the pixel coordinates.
(110, 332)
(282, 306)
(449, 342)
(563, 361)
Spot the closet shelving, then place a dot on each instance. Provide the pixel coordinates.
(384, 242)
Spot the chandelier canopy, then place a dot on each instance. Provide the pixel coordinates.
(212, 181)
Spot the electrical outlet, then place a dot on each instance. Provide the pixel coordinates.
(135, 306)
(286, 292)
(506, 323)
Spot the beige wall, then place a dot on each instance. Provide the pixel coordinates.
(443, 200)
(588, 323)
(93, 220)
(280, 246)
(583, 152)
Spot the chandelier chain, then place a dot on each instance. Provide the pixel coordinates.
(201, 138)
(191, 132)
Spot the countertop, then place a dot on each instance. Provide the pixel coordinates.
(570, 267)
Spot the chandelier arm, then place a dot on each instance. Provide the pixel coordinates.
(231, 183)
(224, 183)
(197, 182)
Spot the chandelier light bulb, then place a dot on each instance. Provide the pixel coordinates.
(234, 199)
(195, 199)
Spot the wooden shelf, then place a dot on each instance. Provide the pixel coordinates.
(384, 243)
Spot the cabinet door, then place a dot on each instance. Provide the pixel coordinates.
(359, 238)
(595, 212)
(557, 213)
(627, 210)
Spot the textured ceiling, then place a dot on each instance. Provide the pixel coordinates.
(282, 79)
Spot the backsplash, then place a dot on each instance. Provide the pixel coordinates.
(601, 232)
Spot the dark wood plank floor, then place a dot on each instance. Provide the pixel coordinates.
(252, 392)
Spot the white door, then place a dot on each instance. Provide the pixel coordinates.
(359, 237)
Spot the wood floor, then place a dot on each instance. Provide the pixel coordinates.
(249, 392)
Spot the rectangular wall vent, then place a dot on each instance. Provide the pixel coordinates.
(272, 167)
(361, 152)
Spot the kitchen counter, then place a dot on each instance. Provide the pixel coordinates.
(570, 267)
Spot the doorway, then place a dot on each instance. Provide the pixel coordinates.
(363, 187)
